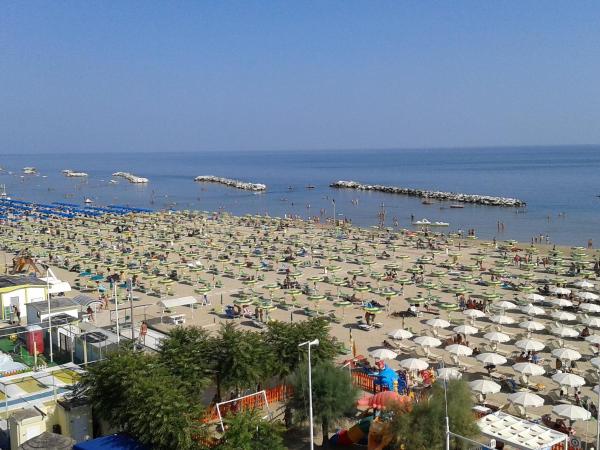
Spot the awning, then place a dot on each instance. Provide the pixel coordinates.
(520, 433)
(86, 300)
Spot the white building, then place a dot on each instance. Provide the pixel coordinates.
(19, 291)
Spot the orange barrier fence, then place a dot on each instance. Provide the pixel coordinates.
(273, 395)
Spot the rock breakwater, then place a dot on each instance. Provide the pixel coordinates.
(257, 187)
(486, 200)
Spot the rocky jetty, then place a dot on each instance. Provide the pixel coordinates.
(130, 177)
(486, 200)
(257, 187)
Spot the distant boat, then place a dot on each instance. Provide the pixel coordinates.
(71, 173)
(457, 206)
(3, 194)
(427, 202)
(29, 170)
(310, 186)
(88, 201)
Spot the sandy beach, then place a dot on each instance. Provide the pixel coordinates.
(290, 270)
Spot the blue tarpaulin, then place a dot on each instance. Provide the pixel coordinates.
(113, 442)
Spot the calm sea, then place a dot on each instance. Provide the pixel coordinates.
(551, 180)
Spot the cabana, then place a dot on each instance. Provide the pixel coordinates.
(170, 303)
(520, 433)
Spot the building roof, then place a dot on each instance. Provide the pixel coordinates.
(519, 433)
(56, 304)
(19, 280)
(48, 441)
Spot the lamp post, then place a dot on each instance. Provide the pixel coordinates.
(598, 421)
(49, 315)
(310, 406)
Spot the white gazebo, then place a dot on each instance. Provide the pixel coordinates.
(170, 303)
(520, 433)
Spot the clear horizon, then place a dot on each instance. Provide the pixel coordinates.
(147, 77)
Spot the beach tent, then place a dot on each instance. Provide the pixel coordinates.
(113, 442)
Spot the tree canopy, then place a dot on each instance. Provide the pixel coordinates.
(134, 392)
(248, 431)
(283, 340)
(333, 394)
(423, 427)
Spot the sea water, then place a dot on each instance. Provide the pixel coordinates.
(560, 185)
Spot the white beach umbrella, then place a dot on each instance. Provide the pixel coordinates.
(491, 359)
(505, 304)
(592, 322)
(589, 307)
(414, 364)
(400, 333)
(502, 319)
(449, 373)
(593, 338)
(583, 284)
(595, 362)
(571, 412)
(474, 313)
(527, 368)
(438, 323)
(530, 345)
(563, 331)
(560, 302)
(560, 291)
(532, 310)
(427, 341)
(383, 353)
(466, 330)
(588, 296)
(496, 336)
(568, 379)
(459, 350)
(535, 298)
(563, 316)
(566, 354)
(532, 325)
(485, 386)
(526, 399)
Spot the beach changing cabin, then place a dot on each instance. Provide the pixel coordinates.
(19, 291)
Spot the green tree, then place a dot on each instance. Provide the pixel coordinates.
(248, 431)
(333, 394)
(188, 352)
(242, 358)
(134, 392)
(424, 427)
(283, 339)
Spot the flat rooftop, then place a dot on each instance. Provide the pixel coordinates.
(19, 280)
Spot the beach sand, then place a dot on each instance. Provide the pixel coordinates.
(345, 251)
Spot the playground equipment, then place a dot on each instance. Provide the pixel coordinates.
(24, 263)
(370, 431)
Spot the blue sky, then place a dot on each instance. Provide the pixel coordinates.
(228, 75)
